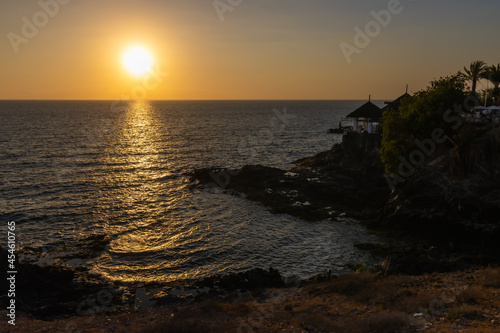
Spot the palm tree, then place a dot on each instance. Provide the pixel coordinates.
(493, 75)
(477, 70)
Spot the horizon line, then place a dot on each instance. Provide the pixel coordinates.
(184, 100)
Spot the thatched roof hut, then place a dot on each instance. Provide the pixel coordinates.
(395, 104)
(367, 111)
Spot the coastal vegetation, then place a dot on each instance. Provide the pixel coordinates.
(441, 154)
(437, 112)
(407, 129)
(493, 75)
(477, 70)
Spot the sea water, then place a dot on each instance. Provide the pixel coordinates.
(76, 171)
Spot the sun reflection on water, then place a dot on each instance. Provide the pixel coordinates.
(148, 205)
(161, 231)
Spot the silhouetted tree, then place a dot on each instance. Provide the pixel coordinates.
(477, 70)
(493, 74)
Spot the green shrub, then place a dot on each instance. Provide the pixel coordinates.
(417, 118)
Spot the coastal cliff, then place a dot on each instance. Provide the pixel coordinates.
(446, 210)
(458, 188)
(458, 191)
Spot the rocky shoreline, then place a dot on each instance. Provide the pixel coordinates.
(432, 236)
(354, 182)
(51, 291)
(445, 222)
(320, 187)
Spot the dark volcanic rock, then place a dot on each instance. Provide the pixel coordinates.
(249, 280)
(420, 259)
(50, 291)
(254, 280)
(319, 187)
(457, 193)
(88, 247)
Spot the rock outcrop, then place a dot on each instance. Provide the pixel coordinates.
(457, 195)
(319, 187)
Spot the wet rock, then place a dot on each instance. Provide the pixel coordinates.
(322, 277)
(344, 182)
(380, 249)
(420, 259)
(249, 280)
(50, 291)
(89, 247)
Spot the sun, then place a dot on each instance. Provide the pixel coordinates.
(138, 61)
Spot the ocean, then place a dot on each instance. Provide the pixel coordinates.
(73, 172)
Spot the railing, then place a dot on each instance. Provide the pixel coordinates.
(481, 118)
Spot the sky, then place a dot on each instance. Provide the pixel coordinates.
(240, 49)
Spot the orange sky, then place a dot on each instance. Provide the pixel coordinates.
(261, 50)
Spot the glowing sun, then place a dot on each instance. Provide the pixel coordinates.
(138, 61)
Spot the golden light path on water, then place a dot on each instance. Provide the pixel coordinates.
(166, 232)
(138, 143)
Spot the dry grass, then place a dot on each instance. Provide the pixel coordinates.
(464, 311)
(245, 313)
(491, 278)
(352, 284)
(383, 322)
(417, 303)
(390, 289)
(205, 316)
(361, 302)
(318, 322)
(183, 327)
(471, 294)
